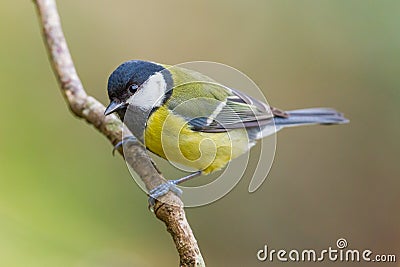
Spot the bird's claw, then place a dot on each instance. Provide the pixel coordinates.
(170, 185)
(124, 141)
(163, 189)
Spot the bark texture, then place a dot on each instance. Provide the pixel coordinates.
(91, 110)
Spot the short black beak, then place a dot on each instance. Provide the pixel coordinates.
(113, 106)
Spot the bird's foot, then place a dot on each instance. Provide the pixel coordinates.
(170, 185)
(163, 189)
(126, 140)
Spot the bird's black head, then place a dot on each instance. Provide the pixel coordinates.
(125, 81)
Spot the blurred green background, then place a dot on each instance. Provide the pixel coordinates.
(65, 201)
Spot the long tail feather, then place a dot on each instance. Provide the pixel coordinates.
(309, 116)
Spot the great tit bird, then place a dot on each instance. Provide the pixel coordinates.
(188, 118)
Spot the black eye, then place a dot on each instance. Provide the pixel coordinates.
(133, 88)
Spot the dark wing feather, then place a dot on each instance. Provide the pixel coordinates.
(239, 111)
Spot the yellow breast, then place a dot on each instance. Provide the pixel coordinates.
(169, 136)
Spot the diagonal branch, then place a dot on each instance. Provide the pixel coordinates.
(88, 108)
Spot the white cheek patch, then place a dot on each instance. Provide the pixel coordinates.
(151, 93)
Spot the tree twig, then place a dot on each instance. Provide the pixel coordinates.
(88, 108)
